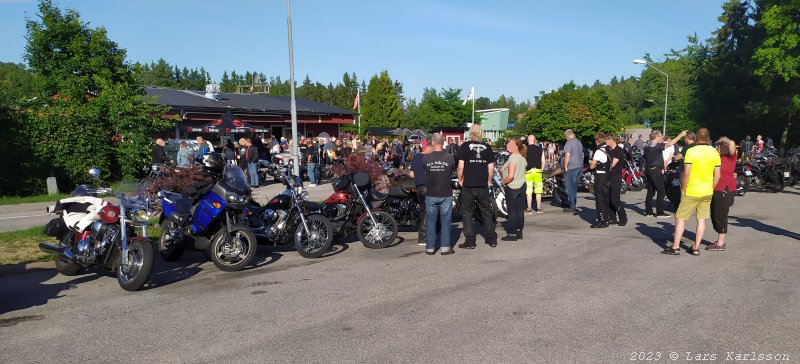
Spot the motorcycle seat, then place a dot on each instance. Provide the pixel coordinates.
(256, 210)
(398, 191)
(376, 196)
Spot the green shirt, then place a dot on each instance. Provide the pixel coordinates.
(520, 165)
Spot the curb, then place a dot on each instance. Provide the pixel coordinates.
(14, 269)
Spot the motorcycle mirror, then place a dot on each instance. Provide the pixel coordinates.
(361, 179)
(95, 173)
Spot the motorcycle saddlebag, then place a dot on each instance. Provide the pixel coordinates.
(56, 228)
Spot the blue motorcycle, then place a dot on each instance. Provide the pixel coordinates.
(212, 222)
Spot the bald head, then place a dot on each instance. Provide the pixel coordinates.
(437, 140)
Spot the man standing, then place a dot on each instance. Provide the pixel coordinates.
(439, 199)
(654, 170)
(617, 153)
(251, 155)
(475, 172)
(159, 156)
(701, 172)
(203, 148)
(601, 164)
(417, 172)
(690, 142)
(573, 165)
(312, 158)
(533, 177)
(639, 144)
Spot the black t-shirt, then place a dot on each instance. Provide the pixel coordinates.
(653, 157)
(419, 169)
(618, 153)
(476, 157)
(534, 157)
(311, 154)
(438, 169)
(303, 150)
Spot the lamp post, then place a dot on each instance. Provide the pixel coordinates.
(666, 93)
(293, 104)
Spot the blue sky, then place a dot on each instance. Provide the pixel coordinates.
(502, 47)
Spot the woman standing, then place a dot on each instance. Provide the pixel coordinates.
(514, 182)
(722, 200)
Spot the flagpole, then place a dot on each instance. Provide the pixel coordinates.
(358, 96)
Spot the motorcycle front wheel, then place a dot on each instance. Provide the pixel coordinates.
(777, 184)
(233, 251)
(135, 274)
(317, 241)
(379, 234)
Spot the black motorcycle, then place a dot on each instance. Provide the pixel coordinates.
(94, 233)
(768, 172)
(672, 186)
(401, 202)
(290, 218)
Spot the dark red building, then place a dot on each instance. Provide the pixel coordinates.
(196, 109)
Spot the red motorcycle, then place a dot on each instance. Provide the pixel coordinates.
(355, 206)
(632, 176)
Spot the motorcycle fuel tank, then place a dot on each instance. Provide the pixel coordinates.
(208, 208)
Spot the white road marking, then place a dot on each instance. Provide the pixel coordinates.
(20, 217)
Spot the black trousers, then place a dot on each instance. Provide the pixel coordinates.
(477, 200)
(601, 204)
(655, 185)
(721, 203)
(617, 210)
(421, 190)
(516, 203)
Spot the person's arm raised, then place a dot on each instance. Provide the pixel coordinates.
(676, 139)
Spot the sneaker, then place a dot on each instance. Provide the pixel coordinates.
(599, 225)
(312, 185)
(567, 209)
(528, 212)
(422, 244)
(466, 246)
(448, 252)
(663, 216)
(539, 211)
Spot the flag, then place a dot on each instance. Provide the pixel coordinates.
(471, 95)
(358, 97)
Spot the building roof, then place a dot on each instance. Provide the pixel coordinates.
(253, 103)
(492, 110)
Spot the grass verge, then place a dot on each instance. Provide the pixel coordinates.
(22, 246)
(15, 200)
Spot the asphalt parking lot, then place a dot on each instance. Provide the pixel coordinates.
(566, 293)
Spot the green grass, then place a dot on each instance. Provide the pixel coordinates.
(636, 126)
(22, 246)
(14, 200)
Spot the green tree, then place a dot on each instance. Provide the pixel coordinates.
(379, 105)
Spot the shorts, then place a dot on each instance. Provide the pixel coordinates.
(701, 206)
(533, 179)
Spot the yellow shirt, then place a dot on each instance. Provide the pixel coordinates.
(703, 159)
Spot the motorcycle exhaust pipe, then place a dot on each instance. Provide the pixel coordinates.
(57, 250)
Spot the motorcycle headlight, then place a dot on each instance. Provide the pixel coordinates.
(232, 197)
(140, 216)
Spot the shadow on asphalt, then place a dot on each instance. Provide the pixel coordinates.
(760, 226)
(659, 235)
(29, 290)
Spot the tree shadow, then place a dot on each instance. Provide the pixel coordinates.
(760, 226)
(27, 289)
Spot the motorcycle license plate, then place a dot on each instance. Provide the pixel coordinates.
(676, 182)
(786, 174)
(748, 173)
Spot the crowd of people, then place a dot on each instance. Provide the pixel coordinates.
(707, 176)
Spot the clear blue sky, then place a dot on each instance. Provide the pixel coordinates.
(507, 47)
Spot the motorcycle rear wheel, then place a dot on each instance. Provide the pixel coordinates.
(170, 252)
(777, 184)
(234, 252)
(378, 235)
(742, 184)
(321, 238)
(133, 276)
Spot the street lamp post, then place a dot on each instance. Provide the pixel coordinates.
(666, 93)
(293, 104)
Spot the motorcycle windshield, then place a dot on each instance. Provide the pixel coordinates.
(233, 178)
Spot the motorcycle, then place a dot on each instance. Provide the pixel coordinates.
(212, 224)
(767, 173)
(672, 186)
(290, 218)
(554, 188)
(793, 161)
(93, 233)
(355, 206)
(632, 176)
(743, 176)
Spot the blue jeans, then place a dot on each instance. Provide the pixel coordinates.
(252, 170)
(571, 180)
(435, 208)
(312, 172)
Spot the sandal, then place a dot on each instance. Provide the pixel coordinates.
(695, 252)
(716, 247)
(670, 251)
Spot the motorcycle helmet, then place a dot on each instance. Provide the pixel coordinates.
(213, 162)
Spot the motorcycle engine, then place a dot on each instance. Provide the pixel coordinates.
(96, 243)
(272, 222)
(334, 212)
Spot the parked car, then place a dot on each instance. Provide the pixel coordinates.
(414, 139)
(172, 146)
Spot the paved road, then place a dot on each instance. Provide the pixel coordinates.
(566, 294)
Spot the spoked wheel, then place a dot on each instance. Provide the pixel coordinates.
(637, 183)
(379, 234)
(742, 184)
(318, 240)
(233, 251)
(623, 188)
(134, 275)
